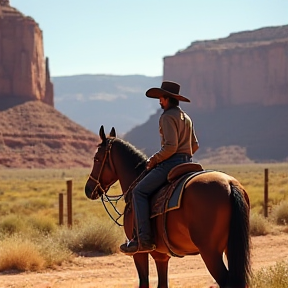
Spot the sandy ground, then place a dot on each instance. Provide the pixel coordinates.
(119, 271)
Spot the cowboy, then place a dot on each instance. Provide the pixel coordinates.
(178, 144)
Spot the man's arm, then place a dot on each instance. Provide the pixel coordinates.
(169, 140)
(194, 144)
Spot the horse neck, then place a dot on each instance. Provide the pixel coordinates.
(125, 167)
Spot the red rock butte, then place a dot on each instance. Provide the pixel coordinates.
(249, 67)
(24, 70)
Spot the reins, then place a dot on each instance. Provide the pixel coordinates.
(114, 198)
(110, 199)
(133, 184)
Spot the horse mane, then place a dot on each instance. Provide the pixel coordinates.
(131, 152)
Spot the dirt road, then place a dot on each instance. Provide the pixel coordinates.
(118, 270)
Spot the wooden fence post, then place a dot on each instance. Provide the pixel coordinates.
(61, 209)
(266, 192)
(69, 203)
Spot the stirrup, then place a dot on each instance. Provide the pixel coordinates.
(130, 248)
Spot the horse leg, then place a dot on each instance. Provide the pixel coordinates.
(214, 263)
(161, 261)
(142, 266)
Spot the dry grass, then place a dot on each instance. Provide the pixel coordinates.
(37, 247)
(18, 253)
(26, 191)
(31, 253)
(29, 210)
(259, 225)
(279, 213)
(32, 240)
(273, 277)
(36, 192)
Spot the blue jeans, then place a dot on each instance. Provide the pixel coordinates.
(150, 184)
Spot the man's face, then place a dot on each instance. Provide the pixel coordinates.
(163, 102)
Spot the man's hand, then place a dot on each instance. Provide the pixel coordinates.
(150, 163)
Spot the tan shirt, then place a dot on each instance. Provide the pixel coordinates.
(177, 134)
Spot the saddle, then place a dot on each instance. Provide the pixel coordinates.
(182, 169)
(158, 202)
(169, 196)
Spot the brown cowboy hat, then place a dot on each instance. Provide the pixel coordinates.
(168, 88)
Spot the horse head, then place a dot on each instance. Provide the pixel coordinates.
(103, 173)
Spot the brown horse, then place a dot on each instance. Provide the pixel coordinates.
(213, 217)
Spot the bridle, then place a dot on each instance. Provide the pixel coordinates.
(98, 184)
(103, 195)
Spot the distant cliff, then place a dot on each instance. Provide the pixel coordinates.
(238, 88)
(24, 71)
(33, 134)
(249, 67)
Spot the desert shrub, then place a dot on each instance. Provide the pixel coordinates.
(21, 254)
(272, 277)
(37, 248)
(279, 213)
(44, 225)
(18, 252)
(52, 250)
(44, 244)
(258, 225)
(92, 236)
(11, 224)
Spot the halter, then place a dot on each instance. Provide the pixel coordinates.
(98, 184)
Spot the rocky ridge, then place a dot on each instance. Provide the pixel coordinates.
(35, 135)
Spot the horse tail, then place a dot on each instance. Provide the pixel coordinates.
(238, 248)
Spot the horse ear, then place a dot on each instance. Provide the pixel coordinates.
(113, 132)
(102, 133)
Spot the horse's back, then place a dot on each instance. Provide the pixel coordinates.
(207, 193)
(204, 216)
(212, 188)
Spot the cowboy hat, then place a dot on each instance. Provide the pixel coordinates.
(168, 88)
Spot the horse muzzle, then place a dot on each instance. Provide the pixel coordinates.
(92, 192)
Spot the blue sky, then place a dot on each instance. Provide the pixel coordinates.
(124, 37)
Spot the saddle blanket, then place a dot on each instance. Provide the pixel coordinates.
(169, 197)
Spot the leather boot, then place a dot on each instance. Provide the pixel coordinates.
(143, 243)
(135, 246)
